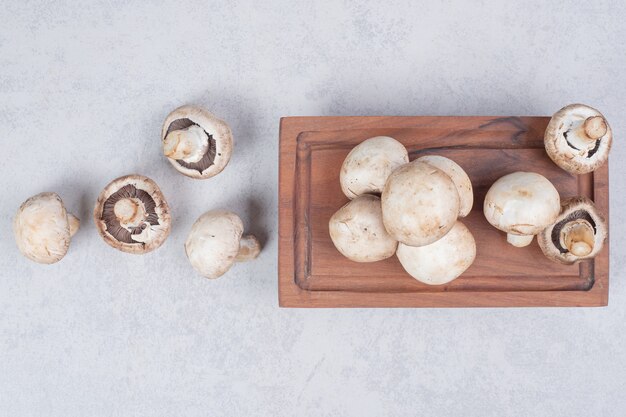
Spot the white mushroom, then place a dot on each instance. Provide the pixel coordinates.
(578, 233)
(196, 143)
(358, 232)
(43, 228)
(441, 261)
(521, 204)
(420, 204)
(459, 177)
(368, 165)
(215, 243)
(132, 215)
(578, 139)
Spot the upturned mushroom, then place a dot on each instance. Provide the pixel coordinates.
(578, 139)
(215, 243)
(458, 176)
(357, 230)
(441, 261)
(521, 204)
(43, 228)
(368, 165)
(196, 143)
(578, 233)
(420, 204)
(132, 215)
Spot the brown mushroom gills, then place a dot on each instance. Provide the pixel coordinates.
(575, 234)
(209, 157)
(127, 212)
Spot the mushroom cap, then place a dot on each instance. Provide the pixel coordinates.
(358, 232)
(441, 261)
(213, 242)
(573, 209)
(420, 204)
(150, 224)
(368, 165)
(41, 228)
(522, 203)
(562, 124)
(220, 141)
(459, 177)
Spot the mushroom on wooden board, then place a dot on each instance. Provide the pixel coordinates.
(578, 233)
(458, 176)
(441, 261)
(43, 228)
(357, 230)
(196, 143)
(420, 204)
(578, 139)
(368, 165)
(215, 243)
(132, 215)
(521, 204)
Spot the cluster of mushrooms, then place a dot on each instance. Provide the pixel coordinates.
(412, 209)
(131, 213)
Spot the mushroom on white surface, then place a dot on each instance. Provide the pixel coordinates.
(459, 177)
(578, 139)
(43, 228)
(215, 243)
(132, 215)
(441, 261)
(196, 143)
(368, 165)
(357, 230)
(578, 233)
(521, 204)
(420, 204)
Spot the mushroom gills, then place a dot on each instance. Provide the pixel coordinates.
(124, 215)
(208, 158)
(575, 233)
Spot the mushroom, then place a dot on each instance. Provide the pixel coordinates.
(196, 143)
(420, 204)
(215, 243)
(459, 177)
(358, 232)
(441, 261)
(578, 233)
(578, 139)
(43, 228)
(132, 215)
(368, 165)
(521, 204)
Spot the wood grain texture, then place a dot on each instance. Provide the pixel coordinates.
(312, 273)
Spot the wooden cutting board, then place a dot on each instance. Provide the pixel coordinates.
(312, 273)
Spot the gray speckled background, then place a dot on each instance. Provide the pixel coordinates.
(84, 87)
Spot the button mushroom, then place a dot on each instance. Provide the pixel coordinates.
(521, 204)
(215, 243)
(578, 233)
(420, 204)
(196, 143)
(578, 139)
(368, 165)
(132, 215)
(459, 177)
(441, 261)
(43, 228)
(358, 232)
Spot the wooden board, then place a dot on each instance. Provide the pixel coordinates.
(312, 273)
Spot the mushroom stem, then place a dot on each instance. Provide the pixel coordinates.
(74, 223)
(578, 237)
(188, 144)
(519, 241)
(249, 248)
(129, 210)
(594, 128)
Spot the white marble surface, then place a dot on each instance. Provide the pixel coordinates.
(84, 87)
